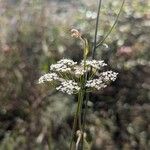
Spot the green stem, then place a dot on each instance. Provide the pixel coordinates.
(93, 74)
(96, 29)
(87, 75)
(77, 116)
(80, 111)
(116, 20)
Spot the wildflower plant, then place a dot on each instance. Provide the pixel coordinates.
(69, 77)
(87, 76)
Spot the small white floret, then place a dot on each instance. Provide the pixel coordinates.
(48, 77)
(64, 65)
(67, 62)
(97, 64)
(79, 70)
(108, 76)
(69, 87)
(97, 84)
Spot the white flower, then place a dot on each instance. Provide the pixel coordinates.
(59, 68)
(101, 82)
(96, 84)
(97, 64)
(48, 77)
(79, 70)
(108, 76)
(69, 87)
(67, 62)
(63, 65)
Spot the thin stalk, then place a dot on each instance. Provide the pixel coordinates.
(87, 75)
(76, 118)
(112, 27)
(80, 97)
(78, 141)
(80, 110)
(93, 74)
(96, 29)
(65, 74)
(95, 46)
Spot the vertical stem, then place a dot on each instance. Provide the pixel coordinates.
(87, 75)
(96, 29)
(82, 116)
(76, 117)
(80, 110)
(80, 145)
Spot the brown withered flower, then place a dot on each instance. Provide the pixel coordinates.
(75, 33)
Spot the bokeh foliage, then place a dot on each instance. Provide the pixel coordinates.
(36, 33)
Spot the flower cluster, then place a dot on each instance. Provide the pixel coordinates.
(63, 65)
(67, 62)
(69, 75)
(97, 84)
(79, 70)
(69, 87)
(48, 77)
(97, 64)
(108, 76)
(102, 81)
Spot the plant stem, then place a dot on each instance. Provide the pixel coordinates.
(95, 46)
(81, 116)
(86, 95)
(96, 29)
(80, 110)
(93, 74)
(116, 20)
(76, 117)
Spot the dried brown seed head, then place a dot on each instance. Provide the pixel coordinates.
(75, 33)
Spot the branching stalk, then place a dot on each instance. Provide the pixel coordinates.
(83, 95)
(109, 32)
(87, 74)
(78, 115)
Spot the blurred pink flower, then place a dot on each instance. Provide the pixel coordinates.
(125, 50)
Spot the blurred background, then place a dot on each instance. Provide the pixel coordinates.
(35, 34)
